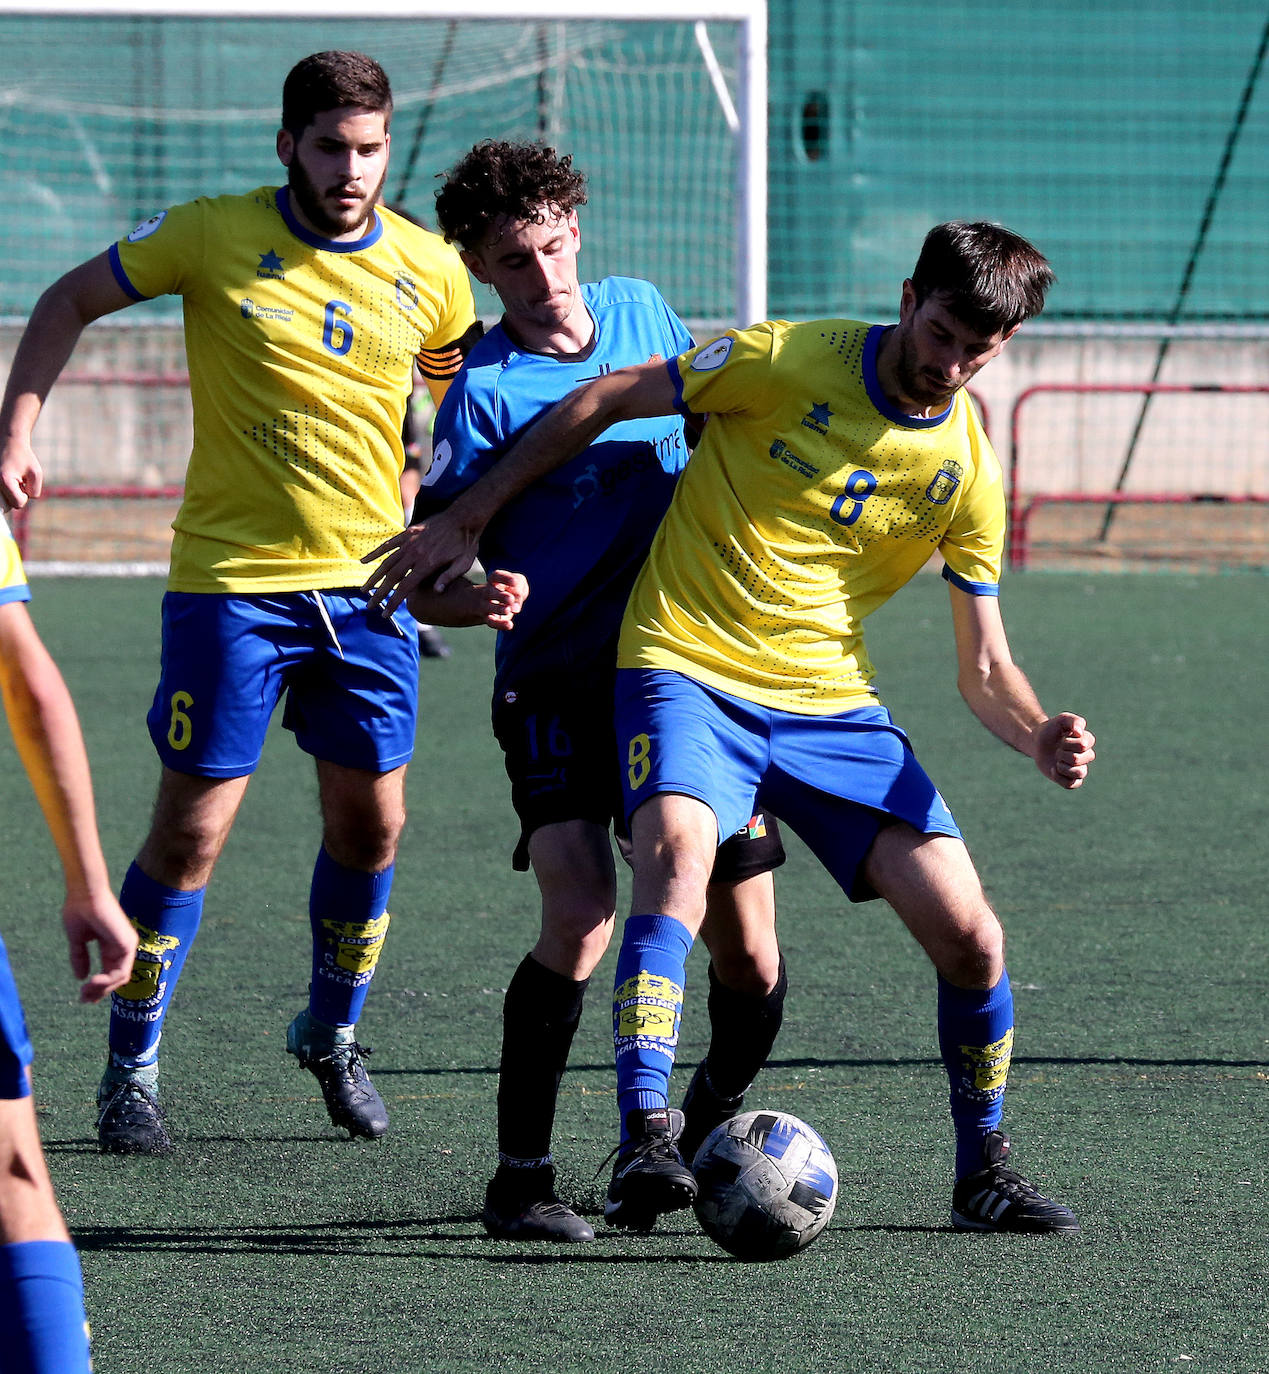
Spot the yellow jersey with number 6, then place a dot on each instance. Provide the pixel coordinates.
(300, 351)
(808, 503)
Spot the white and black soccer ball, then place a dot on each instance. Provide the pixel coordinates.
(768, 1185)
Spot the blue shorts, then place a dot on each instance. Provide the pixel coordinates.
(350, 678)
(837, 780)
(15, 1043)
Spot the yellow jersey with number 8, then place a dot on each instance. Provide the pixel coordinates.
(808, 503)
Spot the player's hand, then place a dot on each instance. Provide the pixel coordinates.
(437, 551)
(1064, 749)
(21, 476)
(99, 918)
(505, 594)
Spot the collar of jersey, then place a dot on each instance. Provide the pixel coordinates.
(877, 396)
(316, 240)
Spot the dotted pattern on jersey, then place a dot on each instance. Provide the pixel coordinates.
(817, 507)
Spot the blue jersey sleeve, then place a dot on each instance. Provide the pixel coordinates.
(467, 440)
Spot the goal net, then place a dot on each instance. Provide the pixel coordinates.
(112, 115)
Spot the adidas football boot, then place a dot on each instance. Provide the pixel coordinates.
(995, 1198)
(649, 1176)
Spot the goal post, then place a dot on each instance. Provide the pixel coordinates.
(113, 111)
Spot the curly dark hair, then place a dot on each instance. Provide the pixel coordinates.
(496, 180)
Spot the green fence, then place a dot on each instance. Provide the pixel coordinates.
(1129, 140)
(1126, 138)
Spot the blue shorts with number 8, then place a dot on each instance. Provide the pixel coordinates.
(836, 780)
(350, 677)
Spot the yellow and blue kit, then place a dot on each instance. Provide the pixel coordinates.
(809, 502)
(743, 676)
(300, 351)
(13, 585)
(15, 1044)
(41, 1285)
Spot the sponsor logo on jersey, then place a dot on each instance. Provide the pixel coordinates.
(784, 454)
(817, 417)
(270, 267)
(712, 355)
(251, 311)
(407, 293)
(595, 480)
(946, 480)
(147, 227)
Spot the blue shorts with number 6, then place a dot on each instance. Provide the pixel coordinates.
(350, 677)
(836, 780)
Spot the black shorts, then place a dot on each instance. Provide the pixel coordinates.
(560, 751)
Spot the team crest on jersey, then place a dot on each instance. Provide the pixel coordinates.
(817, 417)
(270, 267)
(251, 311)
(946, 480)
(407, 293)
(712, 355)
(147, 227)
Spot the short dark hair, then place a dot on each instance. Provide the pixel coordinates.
(514, 181)
(333, 80)
(986, 275)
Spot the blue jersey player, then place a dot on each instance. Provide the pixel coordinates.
(579, 537)
(306, 307)
(42, 1328)
(838, 457)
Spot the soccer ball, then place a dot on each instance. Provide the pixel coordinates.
(768, 1185)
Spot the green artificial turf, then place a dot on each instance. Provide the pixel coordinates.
(1138, 954)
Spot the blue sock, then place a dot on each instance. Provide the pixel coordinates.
(42, 1324)
(167, 921)
(347, 910)
(646, 1008)
(976, 1041)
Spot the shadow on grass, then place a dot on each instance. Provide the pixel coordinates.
(414, 1238)
(919, 1061)
(87, 1145)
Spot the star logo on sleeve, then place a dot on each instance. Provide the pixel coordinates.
(270, 266)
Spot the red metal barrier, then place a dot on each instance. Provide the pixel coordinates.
(1023, 506)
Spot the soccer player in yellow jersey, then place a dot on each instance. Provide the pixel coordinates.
(42, 1329)
(838, 457)
(305, 308)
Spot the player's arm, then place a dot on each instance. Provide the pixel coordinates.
(442, 547)
(60, 316)
(495, 603)
(48, 740)
(999, 694)
(439, 366)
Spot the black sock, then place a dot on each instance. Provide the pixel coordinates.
(743, 1029)
(539, 1019)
